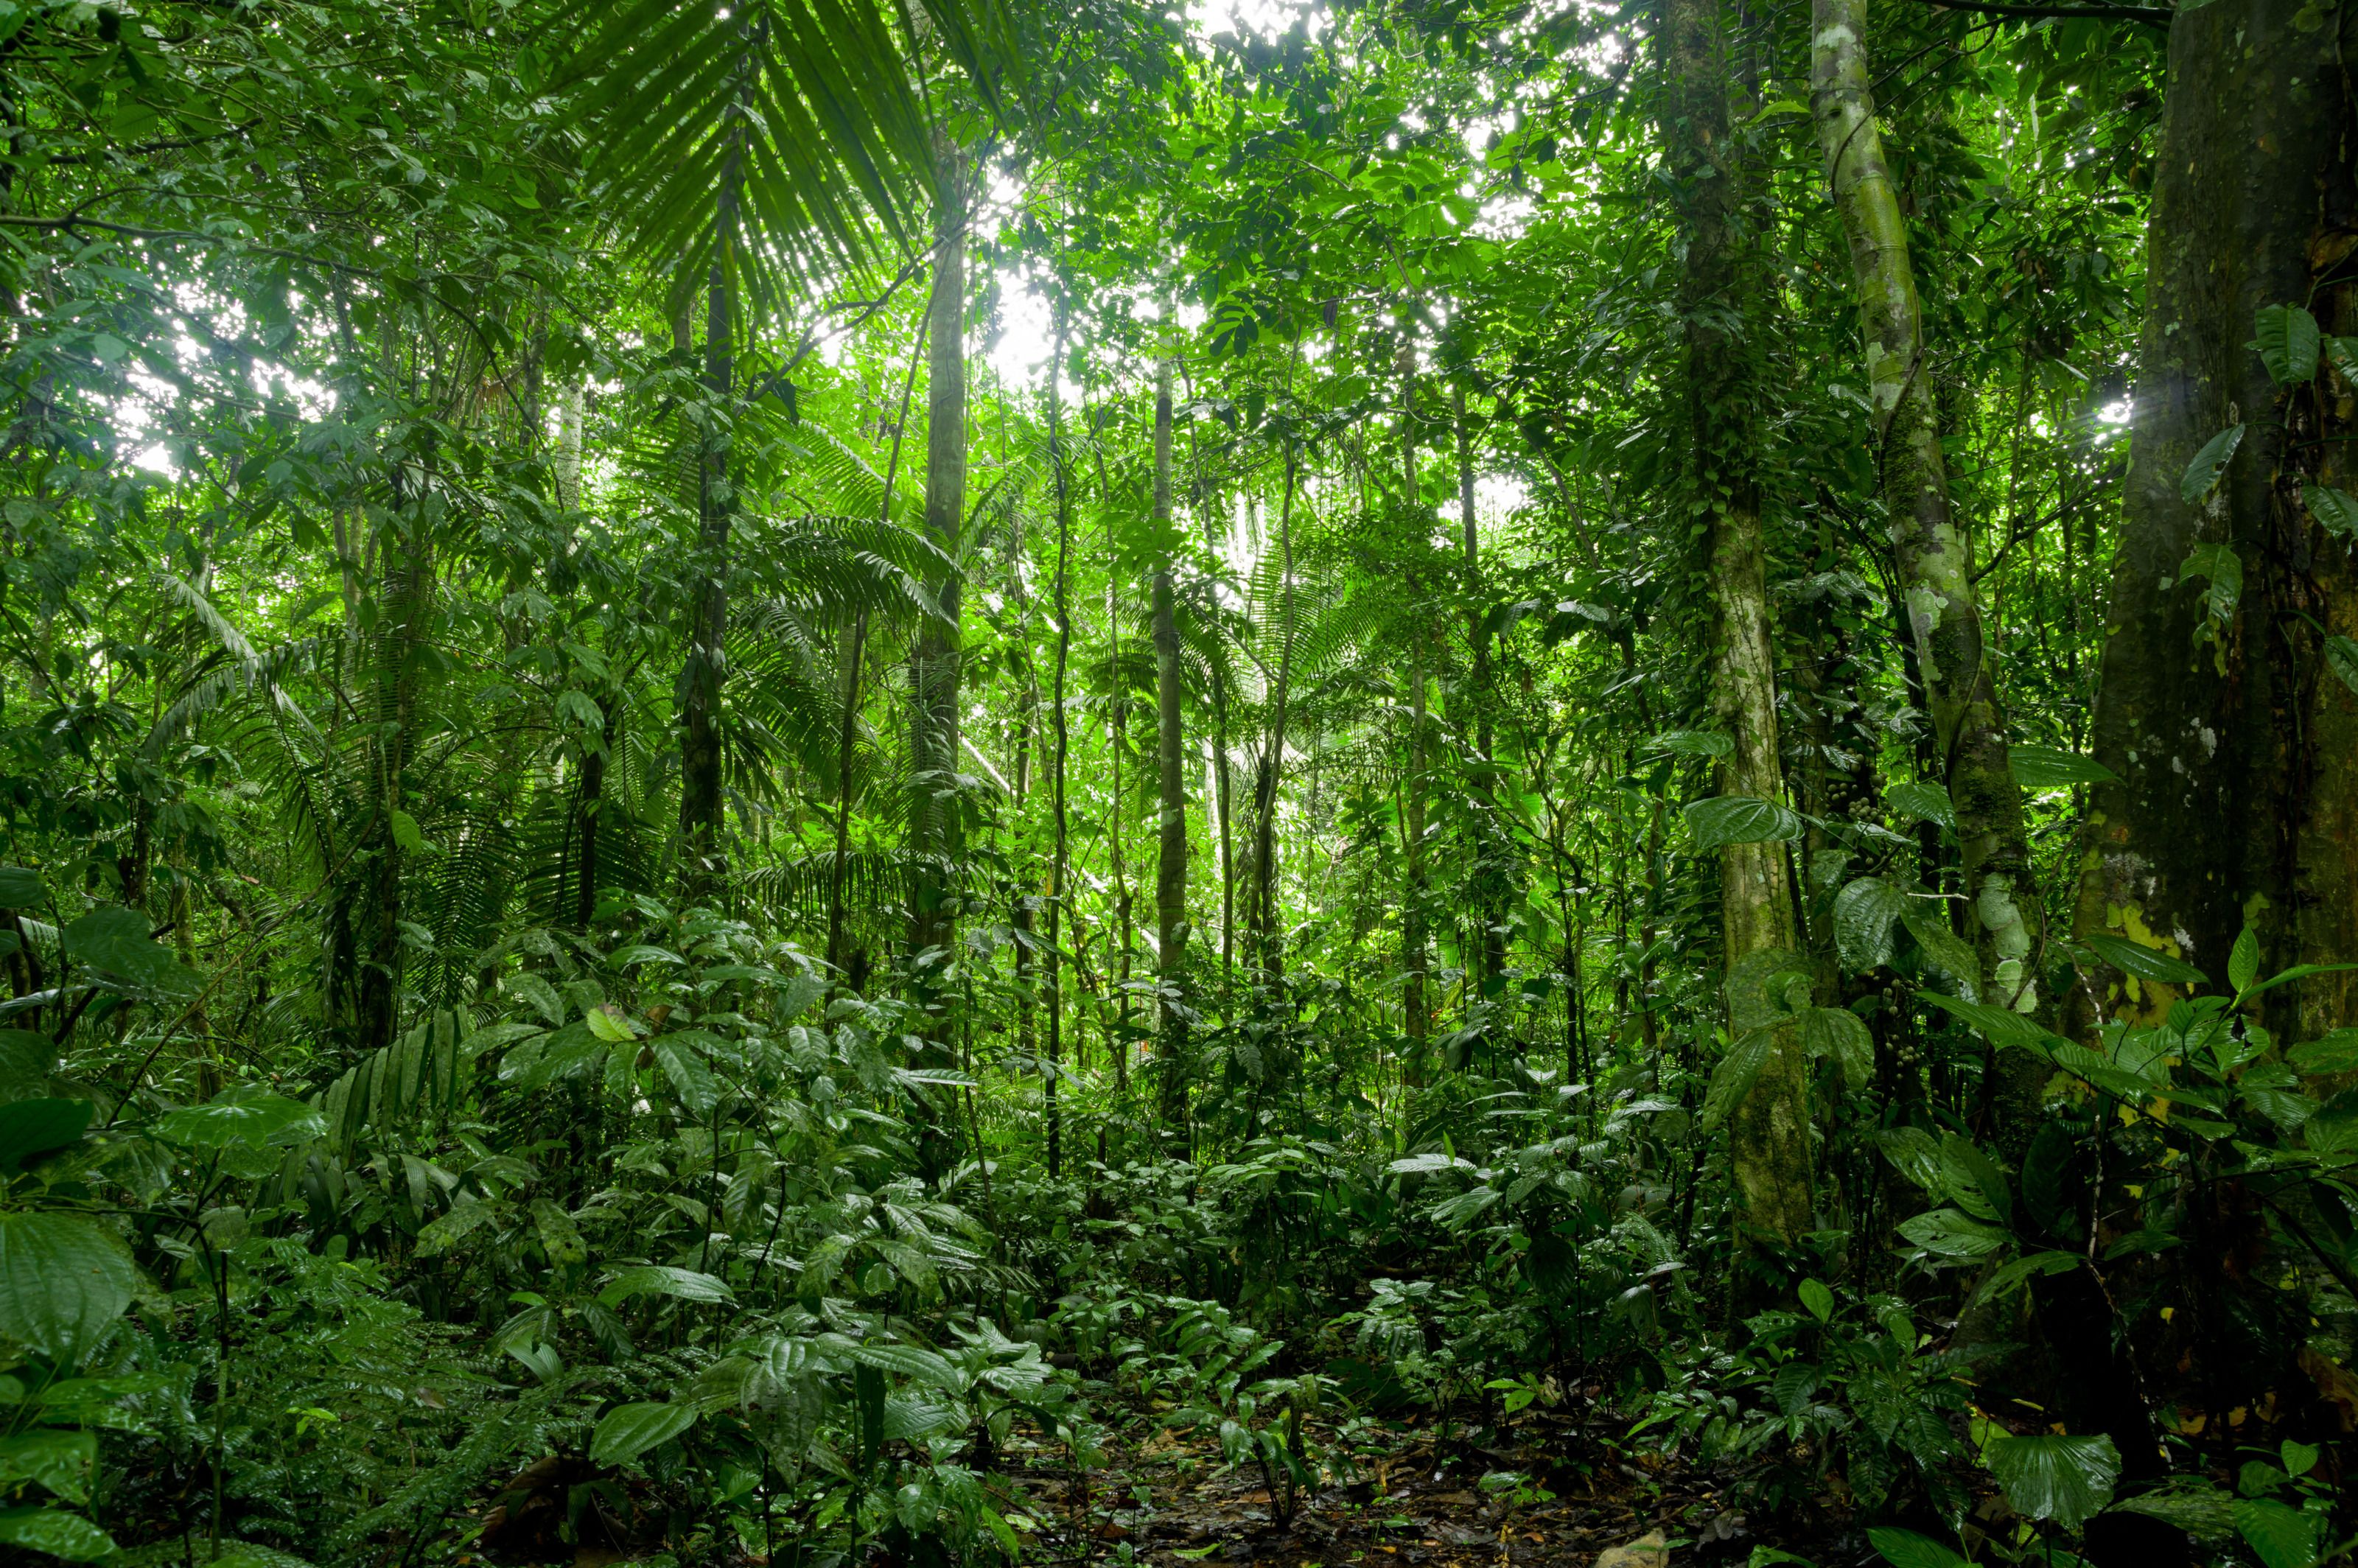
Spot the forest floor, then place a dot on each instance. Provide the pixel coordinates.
(1560, 1492)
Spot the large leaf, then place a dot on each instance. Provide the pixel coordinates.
(254, 1119)
(649, 1279)
(32, 1127)
(2281, 1535)
(2051, 767)
(1739, 820)
(1950, 952)
(57, 1533)
(628, 1431)
(2335, 510)
(2288, 341)
(1952, 1233)
(1733, 1078)
(61, 1461)
(1837, 1034)
(2204, 472)
(683, 1064)
(63, 1283)
(2143, 962)
(2066, 1479)
(27, 1059)
(2342, 658)
(115, 944)
(1865, 912)
(910, 1361)
(1906, 1549)
(1923, 800)
(21, 888)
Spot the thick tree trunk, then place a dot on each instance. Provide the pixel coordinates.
(1170, 743)
(2235, 746)
(935, 840)
(2002, 900)
(1719, 296)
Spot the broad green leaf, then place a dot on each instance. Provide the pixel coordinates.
(1950, 952)
(2193, 1504)
(57, 1533)
(610, 1025)
(21, 888)
(2332, 1127)
(1838, 1033)
(1733, 1078)
(1818, 1299)
(2288, 341)
(2224, 570)
(114, 942)
(628, 1431)
(31, 1128)
(1923, 801)
(446, 1231)
(2009, 1277)
(254, 1119)
(406, 831)
(64, 1462)
(2143, 962)
(2334, 1052)
(2051, 767)
(2000, 1026)
(1906, 1549)
(2243, 961)
(1694, 743)
(910, 1361)
(2342, 658)
(682, 1064)
(1865, 912)
(1739, 820)
(1952, 1233)
(560, 1238)
(2336, 511)
(539, 994)
(2066, 1479)
(650, 1279)
(27, 1058)
(2204, 472)
(63, 1283)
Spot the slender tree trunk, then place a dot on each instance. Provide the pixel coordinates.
(1719, 296)
(2002, 899)
(934, 837)
(1490, 896)
(1220, 801)
(2234, 743)
(856, 647)
(1059, 860)
(701, 855)
(1416, 1004)
(1170, 743)
(1268, 940)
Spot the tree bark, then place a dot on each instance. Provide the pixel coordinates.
(1416, 1004)
(1719, 289)
(934, 840)
(2234, 745)
(1170, 744)
(1057, 865)
(1269, 941)
(701, 857)
(2004, 911)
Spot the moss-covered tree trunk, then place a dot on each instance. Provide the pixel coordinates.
(1943, 622)
(2234, 743)
(1720, 294)
(1171, 790)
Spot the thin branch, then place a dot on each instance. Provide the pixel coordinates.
(2146, 15)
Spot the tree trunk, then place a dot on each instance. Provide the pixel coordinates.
(1169, 742)
(702, 857)
(1769, 1132)
(934, 840)
(1057, 864)
(2002, 900)
(1268, 940)
(1490, 891)
(1416, 1005)
(2236, 748)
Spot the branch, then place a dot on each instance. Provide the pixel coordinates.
(2146, 15)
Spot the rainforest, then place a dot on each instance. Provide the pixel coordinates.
(1096, 784)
